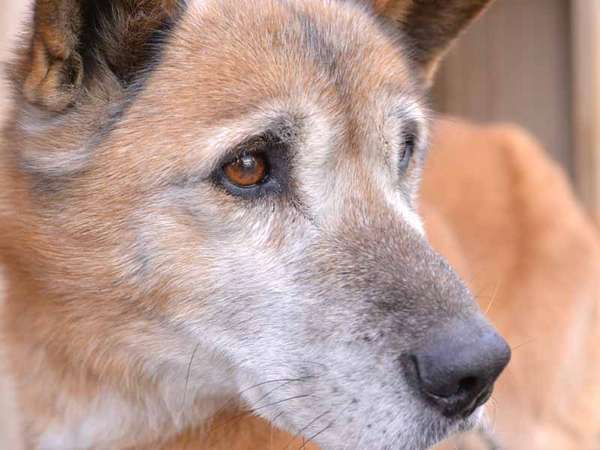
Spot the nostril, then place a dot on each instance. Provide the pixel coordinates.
(468, 384)
(448, 386)
(450, 390)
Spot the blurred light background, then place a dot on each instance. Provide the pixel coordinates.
(535, 63)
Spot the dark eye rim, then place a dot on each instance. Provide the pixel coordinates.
(274, 153)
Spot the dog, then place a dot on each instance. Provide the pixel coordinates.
(212, 203)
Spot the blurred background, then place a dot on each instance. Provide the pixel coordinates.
(531, 62)
(535, 63)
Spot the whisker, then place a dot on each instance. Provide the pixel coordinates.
(299, 433)
(492, 422)
(494, 296)
(280, 380)
(187, 376)
(254, 410)
(295, 397)
(284, 382)
(528, 341)
(310, 439)
(274, 419)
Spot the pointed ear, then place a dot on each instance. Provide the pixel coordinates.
(75, 40)
(430, 25)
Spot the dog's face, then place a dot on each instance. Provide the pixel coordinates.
(231, 185)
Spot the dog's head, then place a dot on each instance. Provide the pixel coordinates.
(223, 191)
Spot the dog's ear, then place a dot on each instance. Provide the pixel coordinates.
(430, 26)
(75, 40)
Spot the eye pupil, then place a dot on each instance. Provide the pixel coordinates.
(246, 170)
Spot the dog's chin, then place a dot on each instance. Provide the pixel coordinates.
(445, 428)
(436, 428)
(426, 430)
(437, 431)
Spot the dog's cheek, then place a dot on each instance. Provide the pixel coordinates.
(219, 262)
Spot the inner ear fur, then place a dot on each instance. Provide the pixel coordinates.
(430, 26)
(75, 40)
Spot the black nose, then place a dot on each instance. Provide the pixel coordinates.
(457, 367)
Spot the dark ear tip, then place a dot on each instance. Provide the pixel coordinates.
(106, 37)
(430, 26)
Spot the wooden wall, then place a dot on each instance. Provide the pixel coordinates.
(586, 92)
(515, 65)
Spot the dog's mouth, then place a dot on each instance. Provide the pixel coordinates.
(381, 414)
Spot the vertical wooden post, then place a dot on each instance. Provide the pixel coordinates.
(586, 90)
(514, 65)
(11, 19)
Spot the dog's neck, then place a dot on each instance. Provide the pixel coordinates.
(62, 404)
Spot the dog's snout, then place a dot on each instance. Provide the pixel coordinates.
(456, 369)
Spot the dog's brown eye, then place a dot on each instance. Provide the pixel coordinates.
(247, 170)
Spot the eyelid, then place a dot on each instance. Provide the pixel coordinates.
(248, 147)
(411, 128)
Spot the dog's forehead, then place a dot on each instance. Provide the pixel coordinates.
(229, 69)
(245, 52)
